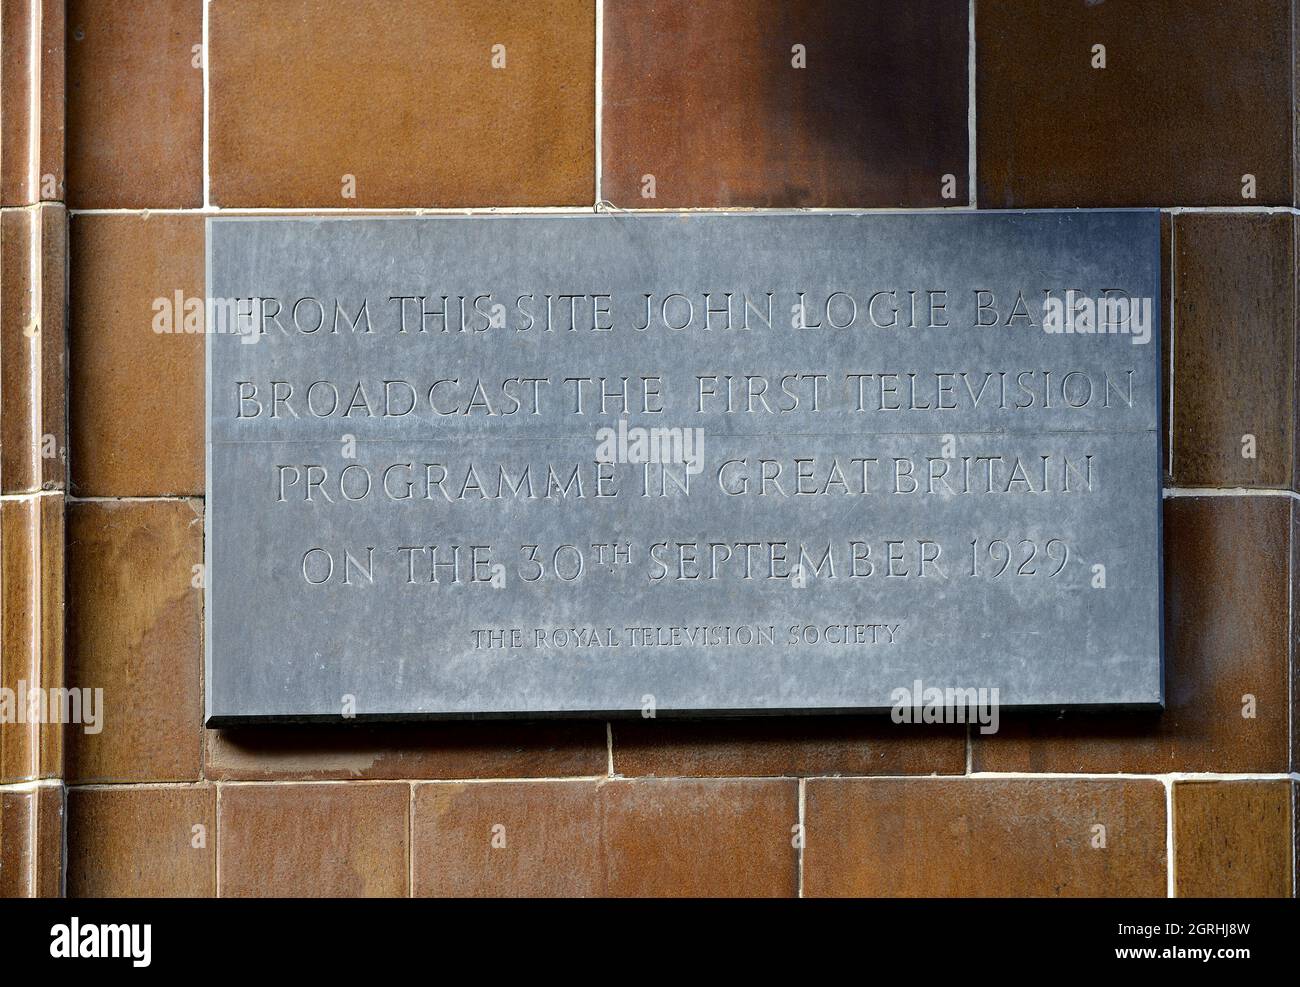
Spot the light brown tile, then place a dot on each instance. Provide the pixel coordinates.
(31, 842)
(31, 633)
(142, 842)
(786, 747)
(314, 840)
(485, 749)
(965, 837)
(25, 177)
(136, 394)
(641, 837)
(416, 114)
(135, 104)
(134, 630)
(1232, 839)
(33, 348)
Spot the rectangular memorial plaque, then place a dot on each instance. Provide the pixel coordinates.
(585, 464)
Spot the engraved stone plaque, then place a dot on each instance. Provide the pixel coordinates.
(705, 463)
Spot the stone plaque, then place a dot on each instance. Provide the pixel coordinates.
(581, 464)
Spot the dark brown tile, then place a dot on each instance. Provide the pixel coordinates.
(884, 837)
(439, 750)
(142, 842)
(134, 630)
(644, 837)
(308, 841)
(1232, 839)
(297, 104)
(706, 99)
(1191, 99)
(135, 104)
(1226, 633)
(1234, 335)
(786, 746)
(136, 390)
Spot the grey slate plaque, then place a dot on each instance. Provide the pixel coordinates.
(487, 466)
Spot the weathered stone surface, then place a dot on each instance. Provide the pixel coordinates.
(897, 474)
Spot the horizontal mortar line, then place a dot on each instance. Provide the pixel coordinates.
(33, 785)
(604, 778)
(32, 495)
(1170, 492)
(127, 498)
(606, 208)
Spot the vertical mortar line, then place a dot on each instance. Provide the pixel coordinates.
(803, 830)
(34, 101)
(216, 842)
(970, 107)
(970, 759)
(599, 106)
(207, 199)
(609, 746)
(1173, 304)
(410, 840)
(1169, 837)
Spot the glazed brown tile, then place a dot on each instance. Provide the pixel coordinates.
(1232, 839)
(135, 104)
(706, 99)
(642, 837)
(31, 630)
(884, 837)
(439, 750)
(31, 842)
(314, 840)
(1234, 337)
(142, 842)
(1226, 605)
(416, 115)
(134, 630)
(787, 747)
(33, 348)
(136, 394)
(1192, 98)
(25, 177)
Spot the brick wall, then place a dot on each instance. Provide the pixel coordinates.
(179, 109)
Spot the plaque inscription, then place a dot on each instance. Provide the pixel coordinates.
(588, 464)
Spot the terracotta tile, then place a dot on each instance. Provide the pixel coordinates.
(142, 842)
(1179, 114)
(135, 104)
(884, 837)
(135, 630)
(1234, 350)
(314, 840)
(24, 179)
(416, 114)
(438, 750)
(1232, 839)
(706, 99)
(136, 394)
(1226, 605)
(31, 842)
(645, 837)
(31, 631)
(786, 746)
(33, 348)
